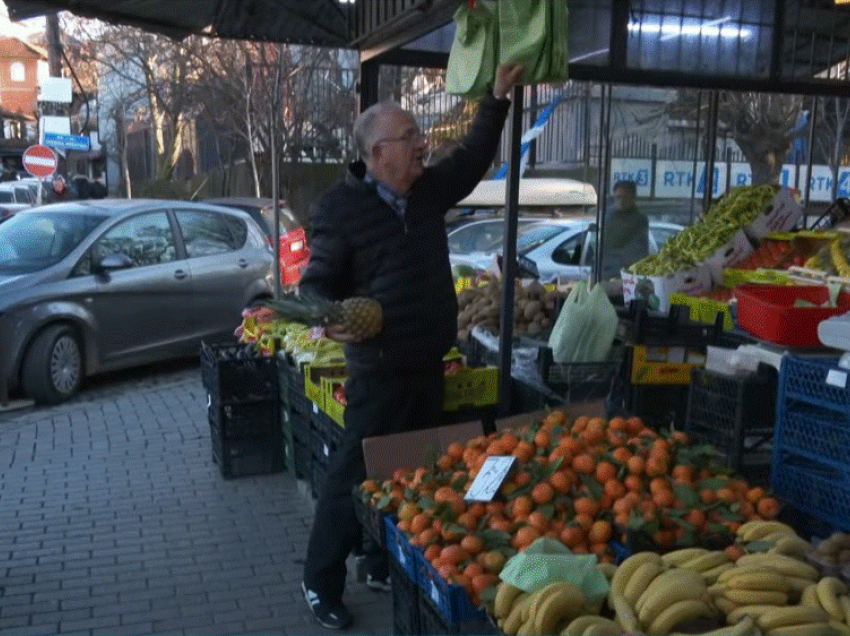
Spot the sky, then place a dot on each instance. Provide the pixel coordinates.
(18, 29)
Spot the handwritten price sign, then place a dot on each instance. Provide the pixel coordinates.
(489, 479)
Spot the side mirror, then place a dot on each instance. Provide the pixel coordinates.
(114, 262)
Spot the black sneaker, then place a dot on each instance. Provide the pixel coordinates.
(332, 616)
(379, 584)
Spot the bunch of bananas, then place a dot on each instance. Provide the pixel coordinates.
(709, 564)
(783, 537)
(652, 597)
(546, 610)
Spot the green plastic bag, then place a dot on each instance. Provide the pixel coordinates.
(472, 60)
(534, 33)
(584, 330)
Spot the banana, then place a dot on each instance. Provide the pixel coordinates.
(677, 557)
(805, 629)
(785, 564)
(666, 590)
(765, 580)
(724, 605)
(538, 596)
(844, 601)
(753, 611)
(718, 589)
(774, 537)
(755, 530)
(640, 580)
(514, 619)
(565, 603)
(706, 561)
(791, 546)
(755, 597)
(506, 594)
(527, 628)
(809, 595)
(792, 615)
(739, 569)
(744, 627)
(629, 566)
(602, 627)
(796, 584)
(710, 576)
(578, 625)
(828, 590)
(840, 628)
(624, 613)
(676, 613)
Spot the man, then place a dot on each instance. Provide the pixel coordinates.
(381, 234)
(626, 232)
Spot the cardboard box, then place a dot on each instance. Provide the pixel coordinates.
(387, 453)
(733, 252)
(656, 290)
(780, 215)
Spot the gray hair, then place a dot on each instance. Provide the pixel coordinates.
(366, 129)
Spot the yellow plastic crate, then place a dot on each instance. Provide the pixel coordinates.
(471, 387)
(702, 309)
(334, 409)
(313, 374)
(733, 277)
(664, 365)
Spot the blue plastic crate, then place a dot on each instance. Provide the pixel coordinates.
(818, 489)
(399, 548)
(406, 617)
(817, 433)
(451, 599)
(820, 382)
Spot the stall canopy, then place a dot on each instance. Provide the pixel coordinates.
(317, 22)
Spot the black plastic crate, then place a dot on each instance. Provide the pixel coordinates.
(303, 459)
(235, 372)
(318, 472)
(405, 602)
(371, 519)
(245, 457)
(432, 621)
(527, 397)
(578, 381)
(676, 329)
(249, 419)
(736, 415)
(300, 426)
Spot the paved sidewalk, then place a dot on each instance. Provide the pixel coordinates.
(114, 520)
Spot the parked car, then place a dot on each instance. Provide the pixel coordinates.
(14, 196)
(90, 286)
(555, 248)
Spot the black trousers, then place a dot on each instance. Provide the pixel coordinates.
(379, 402)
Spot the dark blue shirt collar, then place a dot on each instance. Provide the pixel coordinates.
(395, 201)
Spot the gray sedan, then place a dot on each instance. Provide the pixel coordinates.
(92, 286)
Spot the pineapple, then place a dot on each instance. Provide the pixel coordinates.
(361, 317)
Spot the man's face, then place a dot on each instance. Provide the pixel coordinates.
(623, 198)
(398, 154)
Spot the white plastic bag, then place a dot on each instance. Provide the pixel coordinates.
(585, 328)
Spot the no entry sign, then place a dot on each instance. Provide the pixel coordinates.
(39, 161)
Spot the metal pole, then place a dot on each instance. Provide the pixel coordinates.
(509, 264)
(710, 147)
(275, 108)
(812, 124)
(605, 96)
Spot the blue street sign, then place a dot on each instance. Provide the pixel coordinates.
(68, 142)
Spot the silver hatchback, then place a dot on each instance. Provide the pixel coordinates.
(92, 286)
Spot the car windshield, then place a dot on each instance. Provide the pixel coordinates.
(31, 242)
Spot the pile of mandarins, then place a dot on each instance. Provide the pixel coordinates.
(584, 482)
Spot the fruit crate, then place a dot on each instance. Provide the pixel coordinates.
(371, 519)
(334, 409)
(816, 432)
(313, 375)
(406, 619)
(470, 387)
(318, 472)
(236, 372)
(816, 381)
(578, 381)
(303, 460)
(325, 434)
(815, 488)
(245, 457)
(451, 600)
(400, 549)
(300, 425)
(736, 415)
(240, 420)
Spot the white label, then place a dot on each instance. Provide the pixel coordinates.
(837, 378)
(435, 594)
(489, 479)
(326, 450)
(315, 408)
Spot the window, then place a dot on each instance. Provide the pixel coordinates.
(208, 233)
(146, 239)
(17, 72)
(569, 252)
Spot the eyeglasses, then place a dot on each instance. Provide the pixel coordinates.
(412, 136)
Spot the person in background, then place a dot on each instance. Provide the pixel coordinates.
(381, 234)
(58, 190)
(625, 232)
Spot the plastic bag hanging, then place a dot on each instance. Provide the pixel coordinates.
(472, 59)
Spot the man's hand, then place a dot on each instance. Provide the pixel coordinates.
(507, 75)
(336, 331)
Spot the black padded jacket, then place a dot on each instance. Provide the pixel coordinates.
(359, 246)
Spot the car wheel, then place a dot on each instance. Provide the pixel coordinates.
(53, 365)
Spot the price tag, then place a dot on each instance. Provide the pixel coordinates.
(834, 377)
(489, 479)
